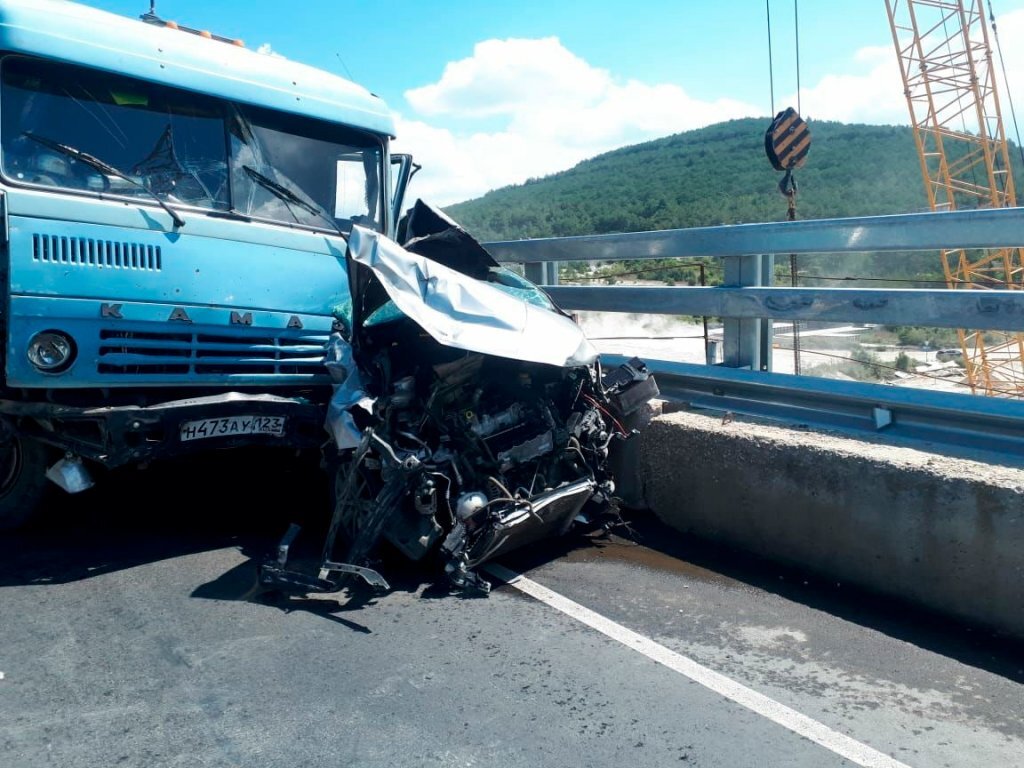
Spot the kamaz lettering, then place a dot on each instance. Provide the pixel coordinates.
(116, 312)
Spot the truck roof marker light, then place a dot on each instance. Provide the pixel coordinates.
(152, 18)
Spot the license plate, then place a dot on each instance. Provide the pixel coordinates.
(228, 426)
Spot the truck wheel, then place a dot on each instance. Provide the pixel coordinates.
(22, 481)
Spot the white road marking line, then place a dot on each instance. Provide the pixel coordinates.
(798, 723)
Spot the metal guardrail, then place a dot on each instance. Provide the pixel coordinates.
(1001, 228)
(978, 423)
(978, 310)
(748, 303)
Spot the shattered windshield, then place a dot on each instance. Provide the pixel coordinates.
(334, 170)
(184, 148)
(170, 141)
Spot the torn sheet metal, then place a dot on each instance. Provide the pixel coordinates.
(431, 233)
(487, 421)
(348, 393)
(465, 313)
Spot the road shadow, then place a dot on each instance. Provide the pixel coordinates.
(178, 507)
(241, 583)
(242, 499)
(425, 579)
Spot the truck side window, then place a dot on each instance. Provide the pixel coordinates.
(336, 169)
(171, 141)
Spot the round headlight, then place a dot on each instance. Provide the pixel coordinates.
(51, 351)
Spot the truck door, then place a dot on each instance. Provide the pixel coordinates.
(402, 171)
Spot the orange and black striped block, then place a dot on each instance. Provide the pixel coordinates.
(787, 140)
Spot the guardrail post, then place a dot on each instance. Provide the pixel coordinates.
(541, 272)
(747, 341)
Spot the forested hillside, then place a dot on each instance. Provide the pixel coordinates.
(714, 175)
(720, 175)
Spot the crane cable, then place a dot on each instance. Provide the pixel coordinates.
(796, 32)
(771, 69)
(1002, 64)
(786, 144)
(787, 139)
(771, 58)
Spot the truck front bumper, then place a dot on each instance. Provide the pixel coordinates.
(118, 435)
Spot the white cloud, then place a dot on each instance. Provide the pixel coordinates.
(506, 76)
(873, 92)
(1010, 30)
(554, 108)
(518, 109)
(458, 167)
(871, 96)
(267, 50)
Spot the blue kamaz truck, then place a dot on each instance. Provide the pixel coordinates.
(174, 213)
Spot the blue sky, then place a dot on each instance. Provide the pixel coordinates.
(491, 93)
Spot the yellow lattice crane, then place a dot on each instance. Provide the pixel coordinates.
(949, 79)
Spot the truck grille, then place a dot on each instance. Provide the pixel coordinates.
(87, 252)
(124, 352)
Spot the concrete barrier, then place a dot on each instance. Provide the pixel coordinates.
(942, 532)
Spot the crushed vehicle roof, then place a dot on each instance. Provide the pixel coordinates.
(450, 286)
(466, 313)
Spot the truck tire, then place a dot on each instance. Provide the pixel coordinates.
(22, 481)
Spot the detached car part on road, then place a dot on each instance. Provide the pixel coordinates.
(470, 415)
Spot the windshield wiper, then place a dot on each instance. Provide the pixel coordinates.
(102, 167)
(290, 197)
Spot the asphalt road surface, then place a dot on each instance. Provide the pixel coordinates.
(131, 634)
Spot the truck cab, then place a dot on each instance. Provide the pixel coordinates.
(175, 209)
